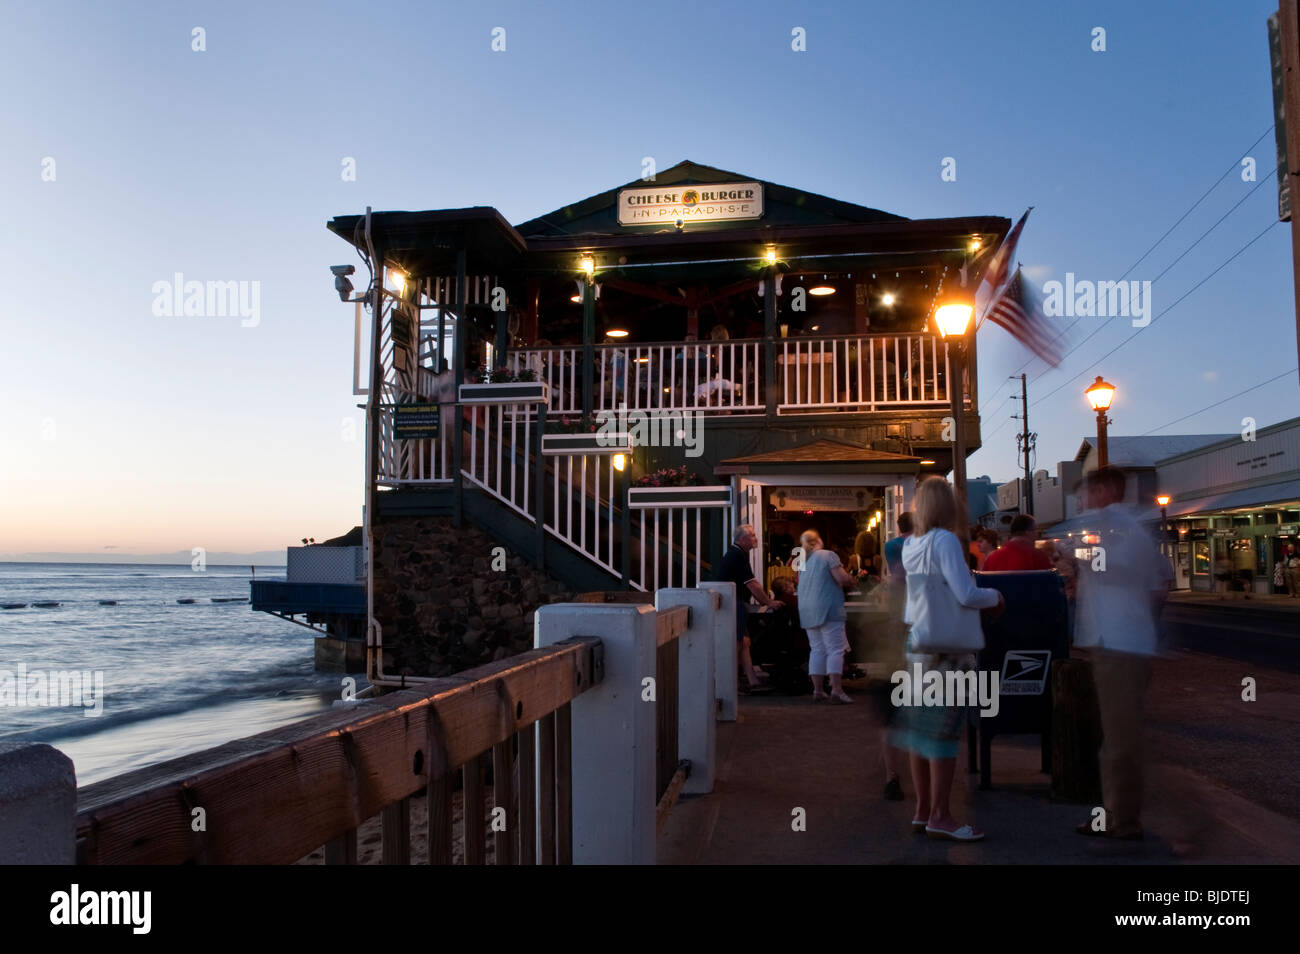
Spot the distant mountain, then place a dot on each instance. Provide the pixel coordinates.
(180, 557)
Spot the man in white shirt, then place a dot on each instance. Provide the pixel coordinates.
(1121, 589)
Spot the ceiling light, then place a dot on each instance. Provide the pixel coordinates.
(887, 298)
(821, 290)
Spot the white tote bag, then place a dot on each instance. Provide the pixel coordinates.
(940, 623)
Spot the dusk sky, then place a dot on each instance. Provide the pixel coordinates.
(120, 428)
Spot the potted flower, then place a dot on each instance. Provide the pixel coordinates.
(504, 386)
(570, 435)
(676, 487)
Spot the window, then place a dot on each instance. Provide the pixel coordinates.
(1201, 558)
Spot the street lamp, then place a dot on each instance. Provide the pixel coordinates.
(1163, 500)
(952, 316)
(1099, 395)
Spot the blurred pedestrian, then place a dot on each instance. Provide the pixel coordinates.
(1122, 587)
(821, 613)
(943, 638)
(894, 652)
(1292, 572)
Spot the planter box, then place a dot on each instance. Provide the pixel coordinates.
(512, 392)
(660, 498)
(553, 444)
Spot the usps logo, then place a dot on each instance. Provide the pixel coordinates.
(1024, 672)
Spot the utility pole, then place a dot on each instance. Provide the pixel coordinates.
(1289, 34)
(1024, 422)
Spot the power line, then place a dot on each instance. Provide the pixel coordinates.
(1096, 331)
(1232, 168)
(1224, 401)
(1162, 314)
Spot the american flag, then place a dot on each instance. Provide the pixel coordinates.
(1018, 311)
(995, 276)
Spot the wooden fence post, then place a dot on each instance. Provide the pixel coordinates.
(697, 724)
(38, 805)
(613, 732)
(725, 658)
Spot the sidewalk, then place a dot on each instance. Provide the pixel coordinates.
(1257, 601)
(786, 753)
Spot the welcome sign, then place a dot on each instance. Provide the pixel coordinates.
(706, 202)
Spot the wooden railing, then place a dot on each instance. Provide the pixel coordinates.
(584, 490)
(582, 769)
(498, 448)
(275, 797)
(862, 373)
(853, 373)
(412, 462)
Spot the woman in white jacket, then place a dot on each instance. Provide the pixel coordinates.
(931, 733)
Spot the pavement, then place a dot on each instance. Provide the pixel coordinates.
(784, 754)
(1237, 601)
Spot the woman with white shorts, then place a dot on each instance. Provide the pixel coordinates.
(822, 582)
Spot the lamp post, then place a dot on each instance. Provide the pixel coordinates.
(1165, 547)
(952, 315)
(1099, 396)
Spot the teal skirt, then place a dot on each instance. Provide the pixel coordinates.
(932, 732)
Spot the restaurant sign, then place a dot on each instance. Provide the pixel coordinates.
(414, 422)
(822, 498)
(703, 202)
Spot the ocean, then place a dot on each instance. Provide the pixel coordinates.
(177, 677)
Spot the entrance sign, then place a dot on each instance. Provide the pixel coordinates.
(703, 202)
(413, 422)
(822, 498)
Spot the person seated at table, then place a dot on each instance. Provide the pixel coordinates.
(785, 649)
(1019, 552)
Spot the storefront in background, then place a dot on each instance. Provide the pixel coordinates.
(1234, 509)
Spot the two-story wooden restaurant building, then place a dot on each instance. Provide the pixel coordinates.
(775, 343)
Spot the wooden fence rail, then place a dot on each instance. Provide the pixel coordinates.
(584, 765)
(275, 797)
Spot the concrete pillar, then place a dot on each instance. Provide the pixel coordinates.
(613, 732)
(725, 659)
(38, 805)
(697, 724)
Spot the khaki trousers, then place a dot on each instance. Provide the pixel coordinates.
(1121, 680)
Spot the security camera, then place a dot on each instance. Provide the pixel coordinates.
(341, 283)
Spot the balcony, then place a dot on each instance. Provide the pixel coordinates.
(861, 374)
(318, 580)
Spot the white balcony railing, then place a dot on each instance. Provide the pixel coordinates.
(862, 373)
(854, 373)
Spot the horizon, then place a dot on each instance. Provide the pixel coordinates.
(129, 429)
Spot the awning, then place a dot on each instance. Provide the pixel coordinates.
(1086, 521)
(1251, 497)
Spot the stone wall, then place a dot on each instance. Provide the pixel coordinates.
(442, 606)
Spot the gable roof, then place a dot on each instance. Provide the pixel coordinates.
(1146, 450)
(782, 205)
